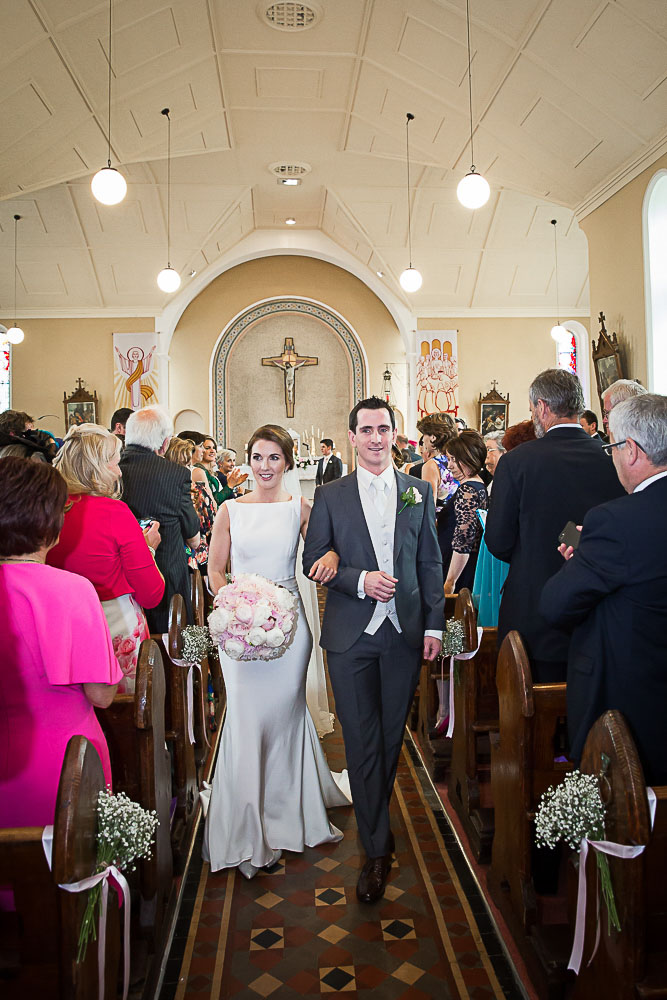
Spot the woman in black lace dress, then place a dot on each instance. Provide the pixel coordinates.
(459, 528)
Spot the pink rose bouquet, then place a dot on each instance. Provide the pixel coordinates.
(253, 618)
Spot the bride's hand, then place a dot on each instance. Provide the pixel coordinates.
(325, 569)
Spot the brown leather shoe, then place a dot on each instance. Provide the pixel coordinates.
(373, 879)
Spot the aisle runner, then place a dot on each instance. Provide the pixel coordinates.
(299, 930)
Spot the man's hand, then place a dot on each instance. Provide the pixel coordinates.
(380, 586)
(432, 647)
(567, 551)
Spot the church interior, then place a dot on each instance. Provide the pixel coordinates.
(289, 192)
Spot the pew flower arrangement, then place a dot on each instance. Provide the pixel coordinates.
(253, 618)
(125, 833)
(197, 643)
(573, 811)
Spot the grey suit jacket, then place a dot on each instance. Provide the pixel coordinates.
(337, 522)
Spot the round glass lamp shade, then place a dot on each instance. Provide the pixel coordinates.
(109, 186)
(560, 334)
(411, 279)
(15, 335)
(168, 279)
(473, 190)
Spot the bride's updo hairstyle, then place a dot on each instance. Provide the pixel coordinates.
(279, 436)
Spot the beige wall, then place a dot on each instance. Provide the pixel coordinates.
(512, 351)
(55, 353)
(616, 266)
(207, 316)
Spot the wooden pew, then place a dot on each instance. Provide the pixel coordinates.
(522, 768)
(210, 664)
(134, 727)
(476, 713)
(184, 770)
(435, 749)
(47, 919)
(632, 963)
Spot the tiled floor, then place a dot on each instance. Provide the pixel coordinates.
(299, 930)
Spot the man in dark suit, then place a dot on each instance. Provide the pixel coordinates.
(158, 489)
(537, 488)
(589, 422)
(611, 594)
(385, 607)
(329, 466)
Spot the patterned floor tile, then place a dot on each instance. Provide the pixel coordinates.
(267, 937)
(265, 985)
(339, 979)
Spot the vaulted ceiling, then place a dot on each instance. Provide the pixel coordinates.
(568, 95)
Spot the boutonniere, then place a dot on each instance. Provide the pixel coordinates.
(410, 498)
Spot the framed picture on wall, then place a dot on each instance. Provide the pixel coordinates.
(80, 407)
(494, 411)
(606, 359)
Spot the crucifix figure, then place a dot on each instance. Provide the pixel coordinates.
(289, 362)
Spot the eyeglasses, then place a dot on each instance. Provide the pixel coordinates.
(617, 444)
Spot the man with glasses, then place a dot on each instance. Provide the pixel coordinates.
(622, 388)
(611, 594)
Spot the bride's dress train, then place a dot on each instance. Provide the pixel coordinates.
(272, 785)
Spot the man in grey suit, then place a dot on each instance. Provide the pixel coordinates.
(385, 608)
(157, 489)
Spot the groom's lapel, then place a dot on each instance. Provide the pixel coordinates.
(402, 519)
(353, 506)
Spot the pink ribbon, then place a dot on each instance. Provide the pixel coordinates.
(83, 886)
(459, 656)
(615, 851)
(190, 692)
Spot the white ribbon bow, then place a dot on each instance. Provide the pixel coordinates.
(459, 656)
(615, 851)
(190, 691)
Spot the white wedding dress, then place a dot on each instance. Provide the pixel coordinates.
(272, 785)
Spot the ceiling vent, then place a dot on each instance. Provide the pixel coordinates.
(289, 169)
(288, 16)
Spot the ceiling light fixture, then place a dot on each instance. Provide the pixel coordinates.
(168, 279)
(289, 181)
(380, 274)
(290, 222)
(108, 185)
(410, 278)
(15, 334)
(473, 190)
(558, 332)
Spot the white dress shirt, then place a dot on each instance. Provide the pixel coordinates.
(647, 482)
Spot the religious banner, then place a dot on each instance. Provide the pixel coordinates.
(437, 373)
(135, 375)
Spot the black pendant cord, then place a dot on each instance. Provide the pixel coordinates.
(16, 221)
(553, 223)
(165, 112)
(472, 150)
(409, 118)
(109, 110)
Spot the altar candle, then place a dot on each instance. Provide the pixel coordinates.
(312, 445)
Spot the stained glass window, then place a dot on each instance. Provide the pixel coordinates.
(567, 354)
(5, 377)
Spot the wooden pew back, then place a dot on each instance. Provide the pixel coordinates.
(211, 664)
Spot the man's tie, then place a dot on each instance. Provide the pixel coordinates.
(379, 494)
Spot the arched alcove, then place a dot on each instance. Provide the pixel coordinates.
(655, 280)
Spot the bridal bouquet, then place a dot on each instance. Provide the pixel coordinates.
(253, 618)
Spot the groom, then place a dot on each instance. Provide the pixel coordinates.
(385, 608)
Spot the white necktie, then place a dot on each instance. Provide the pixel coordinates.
(379, 495)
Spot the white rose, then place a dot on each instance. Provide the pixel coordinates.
(234, 648)
(257, 636)
(244, 613)
(262, 614)
(416, 495)
(274, 638)
(218, 621)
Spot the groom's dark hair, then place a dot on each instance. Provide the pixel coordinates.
(372, 403)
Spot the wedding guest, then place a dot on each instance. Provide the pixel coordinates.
(618, 391)
(460, 424)
(57, 658)
(397, 457)
(495, 449)
(426, 451)
(119, 420)
(329, 467)
(409, 454)
(438, 429)
(183, 453)
(160, 491)
(16, 422)
(102, 541)
(518, 434)
(459, 528)
(589, 422)
(210, 466)
(229, 475)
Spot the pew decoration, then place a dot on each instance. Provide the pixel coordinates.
(453, 648)
(197, 643)
(253, 618)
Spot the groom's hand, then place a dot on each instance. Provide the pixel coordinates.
(380, 586)
(432, 647)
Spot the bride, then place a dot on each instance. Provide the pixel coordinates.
(272, 785)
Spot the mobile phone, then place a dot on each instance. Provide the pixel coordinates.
(145, 522)
(570, 535)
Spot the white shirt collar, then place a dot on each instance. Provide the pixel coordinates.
(365, 477)
(651, 479)
(566, 425)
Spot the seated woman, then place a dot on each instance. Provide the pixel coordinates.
(459, 528)
(102, 541)
(55, 648)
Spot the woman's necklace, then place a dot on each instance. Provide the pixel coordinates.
(20, 559)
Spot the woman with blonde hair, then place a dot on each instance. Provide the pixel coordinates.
(102, 541)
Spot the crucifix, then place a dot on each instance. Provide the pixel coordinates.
(289, 362)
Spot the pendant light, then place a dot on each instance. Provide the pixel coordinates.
(558, 332)
(473, 190)
(410, 278)
(168, 279)
(15, 334)
(108, 185)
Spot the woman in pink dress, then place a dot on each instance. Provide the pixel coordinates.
(55, 649)
(102, 541)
